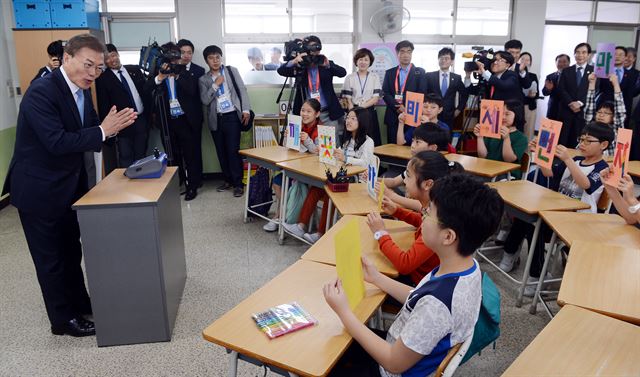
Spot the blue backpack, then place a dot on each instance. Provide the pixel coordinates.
(487, 328)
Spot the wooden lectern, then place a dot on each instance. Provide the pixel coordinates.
(133, 245)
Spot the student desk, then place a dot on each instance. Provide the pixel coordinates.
(603, 278)
(524, 200)
(324, 251)
(483, 167)
(312, 351)
(589, 227)
(578, 342)
(356, 201)
(634, 169)
(266, 157)
(311, 171)
(393, 154)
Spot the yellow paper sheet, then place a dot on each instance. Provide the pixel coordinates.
(380, 196)
(348, 262)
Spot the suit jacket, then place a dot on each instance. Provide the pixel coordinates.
(454, 87)
(186, 88)
(506, 87)
(47, 172)
(194, 112)
(41, 73)
(110, 92)
(569, 91)
(530, 102)
(628, 86)
(552, 105)
(326, 84)
(209, 96)
(416, 82)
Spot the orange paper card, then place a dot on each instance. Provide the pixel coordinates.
(413, 109)
(621, 157)
(491, 113)
(547, 142)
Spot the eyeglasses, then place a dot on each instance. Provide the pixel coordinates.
(426, 215)
(585, 141)
(601, 112)
(90, 67)
(500, 60)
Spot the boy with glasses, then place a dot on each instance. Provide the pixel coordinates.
(610, 113)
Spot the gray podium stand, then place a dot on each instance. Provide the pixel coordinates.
(133, 245)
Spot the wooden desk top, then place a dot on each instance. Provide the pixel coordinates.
(394, 150)
(273, 154)
(603, 278)
(324, 250)
(308, 352)
(592, 227)
(313, 168)
(118, 190)
(530, 198)
(634, 168)
(356, 201)
(482, 166)
(578, 342)
(576, 152)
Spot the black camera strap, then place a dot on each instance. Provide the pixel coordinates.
(235, 86)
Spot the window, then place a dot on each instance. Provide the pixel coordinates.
(138, 6)
(313, 16)
(429, 17)
(618, 12)
(256, 16)
(132, 34)
(426, 56)
(480, 17)
(568, 10)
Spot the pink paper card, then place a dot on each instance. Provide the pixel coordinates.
(413, 109)
(621, 157)
(604, 61)
(491, 113)
(547, 142)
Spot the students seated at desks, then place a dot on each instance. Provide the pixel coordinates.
(626, 204)
(357, 149)
(513, 143)
(310, 114)
(443, 309)
(579, 178)
(423, 170)
(607, 112)
(425, 138)
(432, 107)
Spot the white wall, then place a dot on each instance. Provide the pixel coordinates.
(200, 22)
(528, 27)
(8, 76)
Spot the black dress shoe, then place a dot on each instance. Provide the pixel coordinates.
(75, 327)
(224, 187)
(191, 194)
(238, 192)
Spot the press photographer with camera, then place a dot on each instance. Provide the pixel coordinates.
(176, 85)
(55, 51)
(502, 84)
(315, 73)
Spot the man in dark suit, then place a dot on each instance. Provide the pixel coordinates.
(514, 47)
(449, 86)
(193, 105)
(179, 113)
(397, 82)
(572, 89)
(121, 86)
(551, 86)
(55, 51)
(502, 83)
(317, 73)
(627, 79)
(631, 84)
(56, 124)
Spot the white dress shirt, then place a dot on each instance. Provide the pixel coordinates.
(132, 86)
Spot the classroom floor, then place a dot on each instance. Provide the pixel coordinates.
(227, 260)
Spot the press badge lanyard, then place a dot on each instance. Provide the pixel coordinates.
(221, 87)
(365, 83)
(314, 91)
(224, 102)
(404, 84)
(175, 110)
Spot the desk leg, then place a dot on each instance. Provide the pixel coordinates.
(327, 222)
(246, 194)
(233, 364)
(283, 206)
(527, 267)
(543, 273)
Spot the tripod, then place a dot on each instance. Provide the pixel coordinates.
(480, 88)
(293, 92)
(159, 103)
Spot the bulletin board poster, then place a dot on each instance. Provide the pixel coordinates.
(618, 167)
(491, 113)
(384, 58)
(547, 142)
(604, 60)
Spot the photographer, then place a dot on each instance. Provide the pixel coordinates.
(316, 74)
(55, 51)
(176, 84)
(502, 83)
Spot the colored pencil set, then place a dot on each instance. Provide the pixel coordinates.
(283, 319)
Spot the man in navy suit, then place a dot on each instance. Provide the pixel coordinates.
(56, 124)
(502, 83)
(449, 86)
(551, 86)
(514, 47)
(397, 82)
(572, 89)
(192, 105)
(627, 77)
(122, 86)
(55, 51)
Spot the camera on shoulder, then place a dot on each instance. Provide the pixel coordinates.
(297, 46)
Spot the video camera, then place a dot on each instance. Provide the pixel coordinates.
(483, 56)
(297, 46)
(153, 56)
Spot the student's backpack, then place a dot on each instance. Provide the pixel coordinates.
(260, 192)
(295, 199)
(487, 328)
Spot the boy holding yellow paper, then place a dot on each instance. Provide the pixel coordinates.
(442, 310)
